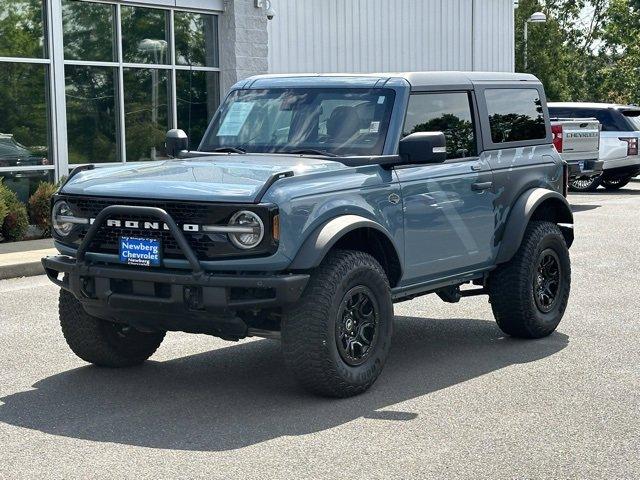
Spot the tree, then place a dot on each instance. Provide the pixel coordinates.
(589, 50)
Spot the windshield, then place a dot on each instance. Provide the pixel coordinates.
(335, 122)
(633, 116)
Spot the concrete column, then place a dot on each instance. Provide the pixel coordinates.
(244, 42)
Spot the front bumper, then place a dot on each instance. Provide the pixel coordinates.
(171, 300)
(592, 168)
(165, 299)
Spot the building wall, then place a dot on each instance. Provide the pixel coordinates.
(243, 42)
(383, 35)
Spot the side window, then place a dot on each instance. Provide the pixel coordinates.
(449, 113)
(515, 114)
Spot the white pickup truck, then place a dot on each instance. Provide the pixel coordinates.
(619, 140)
(578, 142)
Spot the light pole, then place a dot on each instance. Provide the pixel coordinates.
(537, 17)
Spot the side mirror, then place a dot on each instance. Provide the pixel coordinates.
(177, 141)
(423, 147)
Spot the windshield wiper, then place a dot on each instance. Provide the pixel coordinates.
(309, 151)
(229, 150)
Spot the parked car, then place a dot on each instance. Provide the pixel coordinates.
(618, 141)
(13, 154)
(578, 142)
(313, 204)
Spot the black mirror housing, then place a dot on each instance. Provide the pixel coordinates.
(177, 141)
(423, 147)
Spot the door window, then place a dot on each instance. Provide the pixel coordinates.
(449, 113)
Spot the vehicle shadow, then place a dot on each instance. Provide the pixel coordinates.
(575, 208)
(604, 192)
(233, 397)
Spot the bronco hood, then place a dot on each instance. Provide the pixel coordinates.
(219, 178)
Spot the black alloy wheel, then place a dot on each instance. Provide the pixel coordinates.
(585, 184)
(547, 280)
(357, 325)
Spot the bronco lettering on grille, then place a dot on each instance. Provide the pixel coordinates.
(137, 225)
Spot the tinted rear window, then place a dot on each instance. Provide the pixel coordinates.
(515, 114)
(607, 118)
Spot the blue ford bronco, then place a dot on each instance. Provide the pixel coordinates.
(313, 203)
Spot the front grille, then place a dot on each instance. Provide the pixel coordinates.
(206, 246)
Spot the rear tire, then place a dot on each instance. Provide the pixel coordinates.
(615, 183)
(585, 184)
(104, 343)
(336, 339)
(529, 294)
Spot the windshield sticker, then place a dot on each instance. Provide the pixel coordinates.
(235, 119)
(374, 127)
(381, 99)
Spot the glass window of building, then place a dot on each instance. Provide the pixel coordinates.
(198, 94)
(89, 31)
(196, 37)
(146, 100)
(24, 127)
(22, 29)
(91, 114)
(145, 35)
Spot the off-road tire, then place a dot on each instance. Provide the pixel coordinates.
(511, 285)
(584, 185)
(616, 183)
(309, 335)
(101, 342)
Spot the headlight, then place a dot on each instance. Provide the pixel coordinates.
(249, 230)
(62, 219)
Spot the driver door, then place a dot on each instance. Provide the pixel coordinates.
(448, 207)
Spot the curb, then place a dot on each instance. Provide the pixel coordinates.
(23, 264)
(17, 270)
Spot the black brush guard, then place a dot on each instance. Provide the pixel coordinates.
(193, 301)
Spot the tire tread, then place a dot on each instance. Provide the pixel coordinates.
(304, 329)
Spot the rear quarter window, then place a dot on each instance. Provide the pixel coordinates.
(515, 114)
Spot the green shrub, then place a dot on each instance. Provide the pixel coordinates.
(40, 206)
(16, 221)
(3, 210)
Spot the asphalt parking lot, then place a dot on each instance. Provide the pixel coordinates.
(456, 400)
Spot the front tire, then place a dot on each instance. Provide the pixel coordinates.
(529, 294)
(615, 183)
(104, 343)
(336, 339)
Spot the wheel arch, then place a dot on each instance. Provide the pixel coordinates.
(350, 232)
(535, 204)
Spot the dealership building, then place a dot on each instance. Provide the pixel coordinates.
(101, 81)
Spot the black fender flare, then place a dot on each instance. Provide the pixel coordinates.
(524, 210)
(324, 237)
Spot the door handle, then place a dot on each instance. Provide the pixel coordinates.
(479, 187)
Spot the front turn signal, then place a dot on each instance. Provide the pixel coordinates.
(275, 228)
